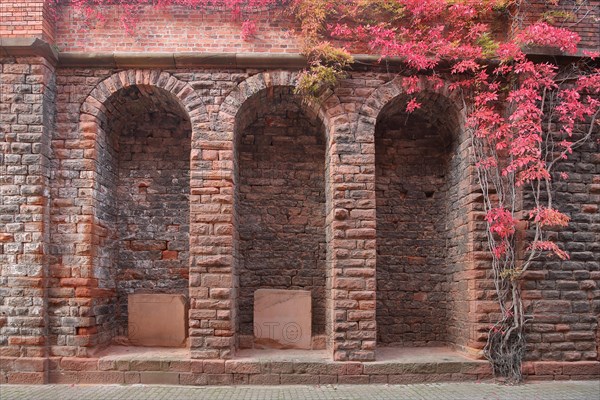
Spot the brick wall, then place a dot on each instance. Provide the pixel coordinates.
(562, 296)
(583, 18)
(177, 29)
(185, 29)
(93, 208)
(412, 190)
(30, 18)
(181, 29)
(27, 95)
(81, 174)
(153, 143)
(281, 202)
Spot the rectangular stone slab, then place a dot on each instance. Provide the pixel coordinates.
(282, 319)
(157, 320)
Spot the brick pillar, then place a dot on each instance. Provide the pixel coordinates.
(470, 281)
(212, 283)
(82, 286)
(26, 118)
(351, 240)
(212, 276)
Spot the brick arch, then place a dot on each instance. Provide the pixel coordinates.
(326, 110)
(93, 107)
(100, 284)
(385, 94)
(413, 275)
(327, 107)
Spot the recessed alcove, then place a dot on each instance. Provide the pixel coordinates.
(415, 190)
(142, 200)
(280, 203)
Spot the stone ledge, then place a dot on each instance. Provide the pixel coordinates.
(28, 47)
(209, 60)
(38, 47)
(182, 60)
(33, 46)
(265, 372)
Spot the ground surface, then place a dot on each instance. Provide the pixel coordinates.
(565, 390)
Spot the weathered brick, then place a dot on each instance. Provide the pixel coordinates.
(78, 364)
(159, 378)
(264, 379)
(132, 192)
(30, 364)
(26, 378)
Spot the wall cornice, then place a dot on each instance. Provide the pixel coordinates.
(24, 47)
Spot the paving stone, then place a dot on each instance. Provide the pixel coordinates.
(566, 390)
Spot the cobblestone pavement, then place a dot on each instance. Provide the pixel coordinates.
(446, 391)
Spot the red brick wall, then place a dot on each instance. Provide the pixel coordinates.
(181, 29)
(585, 20)
(177, 29)
(29, 18)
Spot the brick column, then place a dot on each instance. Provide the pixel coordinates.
(212, 286)
(471, 284)
(26, 118)
(77, 230)
(212, 279)
(351, 238)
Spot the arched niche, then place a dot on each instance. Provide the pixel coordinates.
(280, 201)
(145, 170)
(417, 187)
(136, 128)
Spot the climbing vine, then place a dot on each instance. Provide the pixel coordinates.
(523, 116)
(524, 119)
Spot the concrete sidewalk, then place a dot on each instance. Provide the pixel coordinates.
(557, 390)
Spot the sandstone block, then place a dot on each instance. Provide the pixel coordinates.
(157, 320)
(282, 318)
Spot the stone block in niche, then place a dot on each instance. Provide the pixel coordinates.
(157, 320)
(282, 319)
